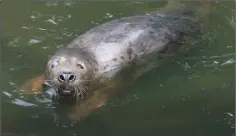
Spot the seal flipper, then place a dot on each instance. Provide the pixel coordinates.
(97, 100)
(100, 97)
(34, 85)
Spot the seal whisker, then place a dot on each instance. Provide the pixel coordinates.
(56, 94)
(81, 92)
(84, 90)
(76, 92)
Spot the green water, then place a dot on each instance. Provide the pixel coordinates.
(191, 95)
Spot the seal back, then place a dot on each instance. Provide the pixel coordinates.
(122, 42)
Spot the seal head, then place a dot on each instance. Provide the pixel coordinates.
(70, 71)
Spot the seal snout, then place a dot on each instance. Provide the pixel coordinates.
(67, 77)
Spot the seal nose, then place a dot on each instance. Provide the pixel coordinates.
(66, 77)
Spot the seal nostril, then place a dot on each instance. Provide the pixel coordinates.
(72, 77)
(61, 78)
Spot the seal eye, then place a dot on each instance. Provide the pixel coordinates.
(80, 66)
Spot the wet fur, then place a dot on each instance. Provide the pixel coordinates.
(81, 89)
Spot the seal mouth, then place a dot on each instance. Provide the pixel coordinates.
(66, 90)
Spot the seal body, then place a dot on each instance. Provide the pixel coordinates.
(138, 40)
(108, 56)
(137, 43)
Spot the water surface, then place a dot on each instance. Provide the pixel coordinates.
(192, 94)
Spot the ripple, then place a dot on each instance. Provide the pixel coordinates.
(34, 41)
(42, 29)
(56, 19)
(45, 47)
(49, 4)
(23, 103)
(108, 15)
(7, 94)
(43, 100)
(12, 84)
(25, 27)
(52, 21)
(19, 68)
(230, 61)
(69, 3)
(231, 21)
(35, 15)
(186, 66)
(14, 41)
(230, 118)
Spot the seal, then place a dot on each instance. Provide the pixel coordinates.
(114, 54)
